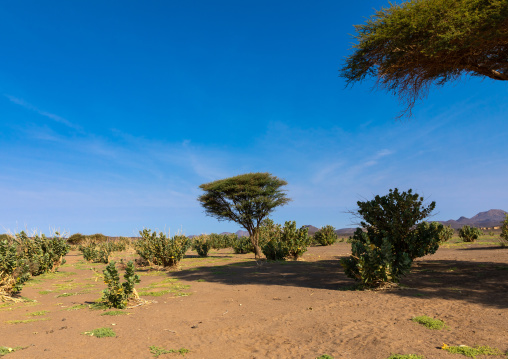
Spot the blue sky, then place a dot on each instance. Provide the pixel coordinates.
(113, 113)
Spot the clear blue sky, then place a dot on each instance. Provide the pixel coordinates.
(114, 112)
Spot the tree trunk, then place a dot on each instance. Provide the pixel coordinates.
(254, 239)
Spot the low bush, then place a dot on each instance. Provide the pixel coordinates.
(242, 245)
(14, 271)
(286, 242)
(42, 254)
(117, 295)
(471, 352)
(446, 234)
(469, 234)
(391, 238)
(160, 249)
(326, 236)
(202, 244)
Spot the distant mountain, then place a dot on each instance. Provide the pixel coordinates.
(241, 233)
(312, 230)
(491, 218)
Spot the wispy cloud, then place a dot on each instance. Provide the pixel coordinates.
(49, 115)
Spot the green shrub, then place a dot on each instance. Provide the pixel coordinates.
(405, 356)
(469, 234)
(221, 241)
(117, 295)
(446, 234)
(326, 236)
(504, 232)
(242, 245)
(161, 249)
(202, 244)
(41, 253)
(76, 239)
(392, 238)
(96, 253)
(14, 271)
(284, 242)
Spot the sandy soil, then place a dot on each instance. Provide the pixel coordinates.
(230, 306)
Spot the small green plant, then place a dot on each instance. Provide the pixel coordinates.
(202, 244)
(472, 352)
(156, 351)
(39, 313)
(160, 249)
(491, 233)
(326, 236)
(96, 252)
(428, 322)
(101, 333)
(324, 356)
(117, 295)
(469, 234)
(405, 356)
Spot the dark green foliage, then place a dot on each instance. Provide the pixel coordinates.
(286, 242)
(391, 239)
(13, 269)
(221, 241)
(245, 199)
(117, 294)
(202, 244)
(160, 249)
(41, 253)
(469, 234)
(242, 245)
(504, 232)
(326, 236)
(413, 45)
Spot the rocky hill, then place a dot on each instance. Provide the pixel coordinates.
(490, 218)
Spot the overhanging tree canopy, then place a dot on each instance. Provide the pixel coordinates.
(420, 43)
(245, 199)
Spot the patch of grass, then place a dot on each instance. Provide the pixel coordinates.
(154, 294)
(77, 307)
(101, 333)
(32, 282)
(65, 295)
(156, 351)
(428, 322)
(152, 273)
(44, 292)
(56, 275)
(472, 352)
(325, 356)
(201, 280)
(115, 312)
(405, 356)
(25, 321)
(39, 313)
(99, 305)
(7, 350)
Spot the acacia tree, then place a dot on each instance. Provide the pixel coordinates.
(245, 199)
(420, 43)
